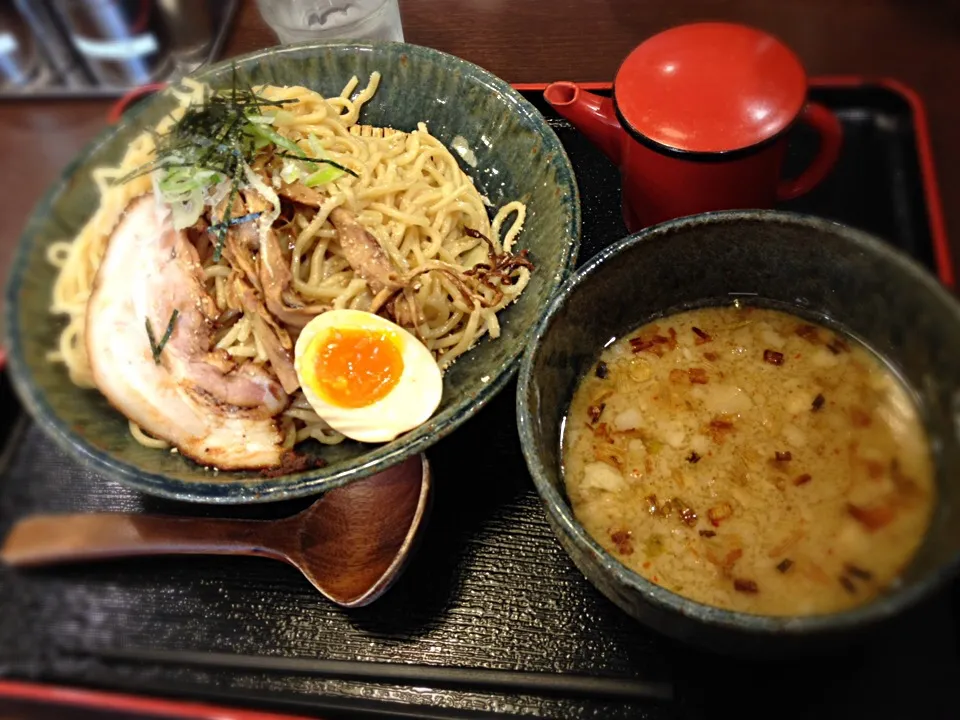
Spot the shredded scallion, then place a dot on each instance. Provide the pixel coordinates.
(212, 147)
(157, 347)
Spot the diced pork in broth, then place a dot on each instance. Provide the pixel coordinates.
(750, 460)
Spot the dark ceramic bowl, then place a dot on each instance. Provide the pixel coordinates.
(827, 272)
(519, 157)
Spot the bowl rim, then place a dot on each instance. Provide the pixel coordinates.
(560, 512)
(258, 489)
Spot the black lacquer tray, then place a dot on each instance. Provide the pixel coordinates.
(490, 587)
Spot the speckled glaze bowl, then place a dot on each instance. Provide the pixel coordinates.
(518, 157)
(824, 271)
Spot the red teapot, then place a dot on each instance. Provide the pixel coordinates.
(698, 122)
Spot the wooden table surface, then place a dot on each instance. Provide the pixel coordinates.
(915, 41)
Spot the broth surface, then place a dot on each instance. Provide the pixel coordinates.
(750, 460)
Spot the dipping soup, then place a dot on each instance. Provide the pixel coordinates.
(751, 460)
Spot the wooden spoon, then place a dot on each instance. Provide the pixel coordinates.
(351, 544)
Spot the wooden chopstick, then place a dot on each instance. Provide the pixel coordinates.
(527, 683)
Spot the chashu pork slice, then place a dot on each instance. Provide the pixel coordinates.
(213, 411)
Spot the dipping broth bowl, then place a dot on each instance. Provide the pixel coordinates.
(811, 267)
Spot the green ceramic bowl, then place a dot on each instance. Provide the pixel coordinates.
(815, 268)
(518, 156)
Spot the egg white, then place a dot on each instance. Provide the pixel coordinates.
(408, 404)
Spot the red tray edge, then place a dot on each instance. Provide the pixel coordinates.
(931, 187)
(67, 698)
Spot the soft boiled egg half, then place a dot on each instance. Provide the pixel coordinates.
(365, 376)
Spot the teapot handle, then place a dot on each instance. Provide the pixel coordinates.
(828, 128)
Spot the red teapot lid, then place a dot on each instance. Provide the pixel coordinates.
(710, 87)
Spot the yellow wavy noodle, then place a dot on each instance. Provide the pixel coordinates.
(410, 193)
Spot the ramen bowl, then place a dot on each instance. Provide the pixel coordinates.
(817, 269)
(517, 157)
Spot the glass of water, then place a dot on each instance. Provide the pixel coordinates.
(299, 20)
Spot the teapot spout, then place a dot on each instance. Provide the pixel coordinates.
(591, 114)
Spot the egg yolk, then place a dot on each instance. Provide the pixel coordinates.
(355, 367)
